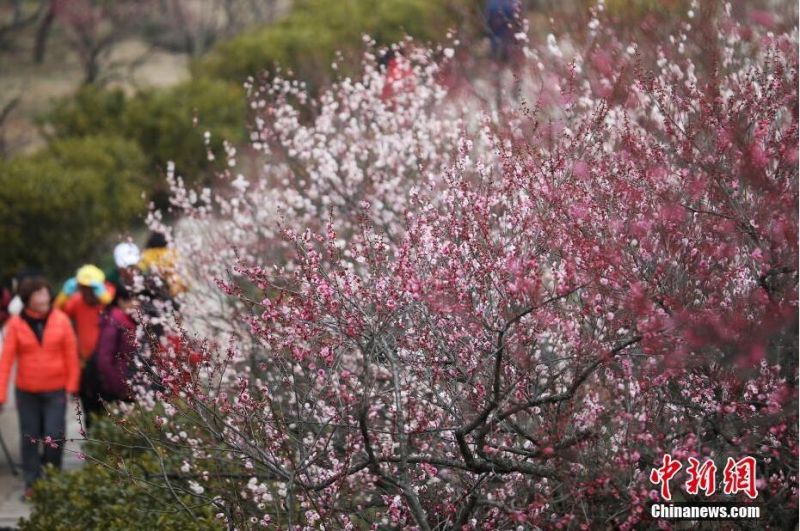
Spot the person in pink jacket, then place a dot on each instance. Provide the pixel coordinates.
(116, 348)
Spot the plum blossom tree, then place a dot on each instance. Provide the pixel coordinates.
(436, 321)
(314, 160)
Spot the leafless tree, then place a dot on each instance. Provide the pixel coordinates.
(200, 24)
(94, 27)
(16, 15)
(5, 111)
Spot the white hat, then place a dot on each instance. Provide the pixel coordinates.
(15, 307)
(126, 254)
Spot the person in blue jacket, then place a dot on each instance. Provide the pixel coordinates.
(502, 20)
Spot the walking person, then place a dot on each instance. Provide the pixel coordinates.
(117, 347)
(159, 265)
(41, 342)
(126, 260)
(399, 76)
(83, 299)
(503, 22)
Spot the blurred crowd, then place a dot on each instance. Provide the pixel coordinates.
(83, 342)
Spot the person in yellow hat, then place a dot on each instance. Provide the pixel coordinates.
(83, 298)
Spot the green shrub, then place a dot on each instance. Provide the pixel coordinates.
(119, 488)
(57, 205)
(166, 124)
(308, 38)
(169, 125)
(96, 497)
(90, 111)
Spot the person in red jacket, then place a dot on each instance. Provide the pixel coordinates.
(399, 75)
(42, 343)
(83, 299)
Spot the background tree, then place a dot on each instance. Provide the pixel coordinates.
(43, 30)
(94, 27)
(308, 39)
(168, 125)
(15, 16)
(195, 27)
(58, 205)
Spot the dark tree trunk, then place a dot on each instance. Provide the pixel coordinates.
(91, 68)
(42, 34)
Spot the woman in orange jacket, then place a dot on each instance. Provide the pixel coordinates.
(42, 343)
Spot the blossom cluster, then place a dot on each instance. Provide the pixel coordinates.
(430, 310)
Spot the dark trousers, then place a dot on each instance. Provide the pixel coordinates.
(90, 393)
(41, 415)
